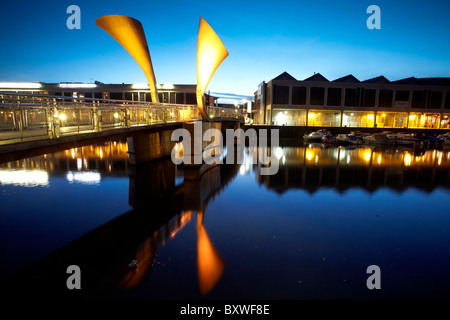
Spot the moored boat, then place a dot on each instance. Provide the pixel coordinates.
(347, 139)
(403, 139)
(315, 136)
(378, 139)
(329, 139)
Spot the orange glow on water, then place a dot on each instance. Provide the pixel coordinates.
(209, 263)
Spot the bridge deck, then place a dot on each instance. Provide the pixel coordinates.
(30, 120)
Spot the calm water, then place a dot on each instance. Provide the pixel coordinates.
(163, 232)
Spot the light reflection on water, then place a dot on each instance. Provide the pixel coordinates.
(307, 232)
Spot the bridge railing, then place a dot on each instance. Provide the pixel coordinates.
(28, 117)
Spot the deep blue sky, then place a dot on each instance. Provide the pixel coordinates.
(263, 39)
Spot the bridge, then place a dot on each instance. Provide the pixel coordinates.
(36, 120)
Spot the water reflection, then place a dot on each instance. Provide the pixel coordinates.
(25, 178)
(85, 165)
(120, 253)
(210, 263)
(156, 184)
(118, 257)
(314, 166)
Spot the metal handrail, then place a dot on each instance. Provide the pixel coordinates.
(28, 117)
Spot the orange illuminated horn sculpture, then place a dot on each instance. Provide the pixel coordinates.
(209, 262)
(210, 54)
(130, 34)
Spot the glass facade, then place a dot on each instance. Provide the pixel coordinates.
(355, 105)
(286, 117)
(364, 119)
(392, 119)
(419, 120)
(358, 119)
(324, 118)
(445, 121)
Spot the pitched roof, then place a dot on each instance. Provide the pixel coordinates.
(410, 80)
(380, 79)
(285, 76)
(317, 77)
(347, 78)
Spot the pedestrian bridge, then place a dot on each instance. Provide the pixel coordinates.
(28, 118)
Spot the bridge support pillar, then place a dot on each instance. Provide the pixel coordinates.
(145, 147)
(147, 183)
(199, 185)
(196, 132)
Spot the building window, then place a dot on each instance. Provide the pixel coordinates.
(334, 96)
(402, 95)
(179, 98)
(299, 95)
(324, 118)
(67, 94)
(148, 97)
(385, 98)
(190, 98)
(447, 100)
(357, 119)
(115, 95)
(163, 97)
(269, 97)
(434, 99)
(392, 119)
(98, 95)
(418, 99)
(369, 98)
(401, 99)
(445, 124)
(423, 120)
(317, 96)
(128, 96)
(285, 117)
(351, 97)
(281, 94)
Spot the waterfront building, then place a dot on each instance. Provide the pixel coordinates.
(348, 102)
(168, 93)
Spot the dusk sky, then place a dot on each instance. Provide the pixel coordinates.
(263, 38)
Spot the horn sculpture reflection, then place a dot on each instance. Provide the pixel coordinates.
(130, 34)
(210, 54)
(209, 263)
